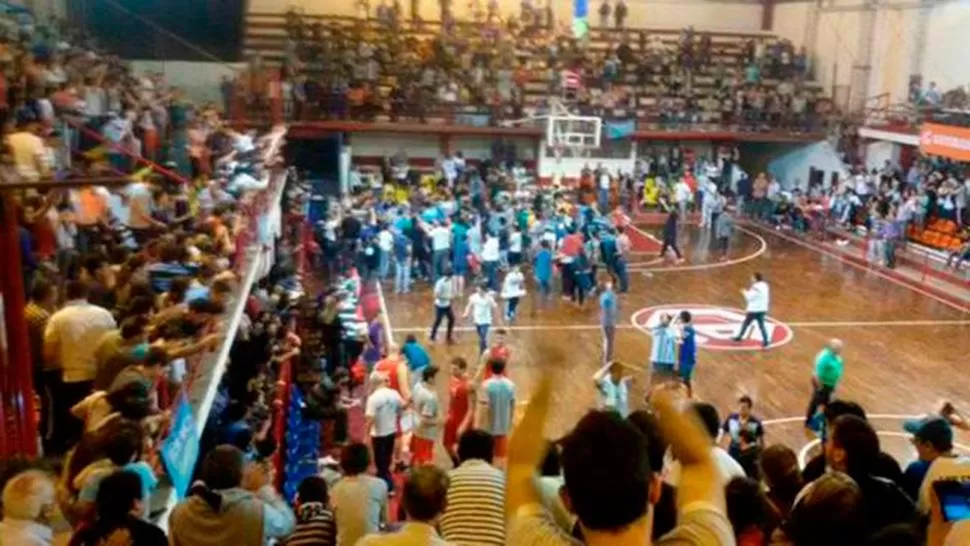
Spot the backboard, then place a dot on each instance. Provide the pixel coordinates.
(574, 131)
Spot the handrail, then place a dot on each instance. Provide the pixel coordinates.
(118, 148)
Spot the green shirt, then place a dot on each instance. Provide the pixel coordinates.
(828, 368)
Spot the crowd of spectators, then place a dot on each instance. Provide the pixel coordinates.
(498, 68)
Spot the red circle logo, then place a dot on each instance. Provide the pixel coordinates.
(717, 326)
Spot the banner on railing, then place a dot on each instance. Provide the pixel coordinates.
(945, 140)
(620, 129)
(474, 120)
(181, 449)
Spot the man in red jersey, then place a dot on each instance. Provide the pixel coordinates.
(459, 418)
(498, 351)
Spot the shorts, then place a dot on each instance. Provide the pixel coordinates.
(515, 258)
(663, 369)
(450, 436)
(500, 446)
(422, 450)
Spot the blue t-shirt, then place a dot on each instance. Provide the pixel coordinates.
(688, 347)
(501, 395)
(608, 308)
(544, 265)
(416, 356)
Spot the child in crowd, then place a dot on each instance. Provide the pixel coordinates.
(663, 352)
(513, 289)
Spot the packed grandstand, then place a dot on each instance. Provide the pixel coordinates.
(197, 347)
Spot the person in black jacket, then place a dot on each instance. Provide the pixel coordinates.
(670, 233)
(854, 449)
(119, 503)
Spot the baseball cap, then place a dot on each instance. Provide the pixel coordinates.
(934, 430)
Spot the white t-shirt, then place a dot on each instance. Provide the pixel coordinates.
(942, 469)
(758, 297)
(682, 192)
(727, 467)
(139, 196)
(515, 241)
(514, 285)
(490, 250)
(440, 238)
(385, 241)
(604, 181)
(383, 406)
(481, 306)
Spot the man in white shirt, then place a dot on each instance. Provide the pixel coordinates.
(444, 293)
(440, 248)
(683, 195)
(757, 297)
(603, 189)
(709, 198)
(383, 409)
(70, 341)
(28, 152)
(490, 261)
(727, 467)
(482, 309)
(141, 206)
(429, 417)
(385, 244)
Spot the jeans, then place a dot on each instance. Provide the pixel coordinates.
(609, 335)
(603, 197)
(545, 290)
(402, 276)
(383, 264)
(511, 310)
(482, 330)
(439, 261)
(441, 313)
(622, 275)
(889, 250)
(820, 397)
(758, 318)
(490, 270)
(383, 447)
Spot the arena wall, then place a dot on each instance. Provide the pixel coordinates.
(728, 15)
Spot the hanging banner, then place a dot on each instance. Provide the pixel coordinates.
(945, 140)
(580, 18)
(181, 448)
(620, 129)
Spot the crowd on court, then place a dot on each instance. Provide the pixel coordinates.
(507, 66)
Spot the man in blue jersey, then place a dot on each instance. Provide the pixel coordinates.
(609, 309)
(688, 352)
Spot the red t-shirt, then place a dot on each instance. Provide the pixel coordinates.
(496, 352)
(572, 245)
(388, 367)
(458, 404)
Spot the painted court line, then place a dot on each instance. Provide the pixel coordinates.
(874, 271)
(762, 248)
(387, 316)
(591, 327)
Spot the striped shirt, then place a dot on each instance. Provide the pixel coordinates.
(664, 348)
(315, 527)
(475, 512)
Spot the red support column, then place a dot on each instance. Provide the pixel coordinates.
(767, 14)
(20, 428)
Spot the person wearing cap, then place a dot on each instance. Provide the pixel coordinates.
(933, 440)
(829, 367)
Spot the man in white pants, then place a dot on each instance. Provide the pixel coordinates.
(758, 298)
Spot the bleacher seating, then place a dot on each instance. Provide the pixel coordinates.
(939, 234)
(266, 36)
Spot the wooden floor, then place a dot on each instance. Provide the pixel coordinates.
(904, 351)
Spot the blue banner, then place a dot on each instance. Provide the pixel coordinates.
(181, 449)
(620, 129)
(580, 15)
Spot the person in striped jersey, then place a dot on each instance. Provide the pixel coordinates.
(475, 511)
(315, 524)
(663, 351)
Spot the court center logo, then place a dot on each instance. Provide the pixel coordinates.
(717, 326)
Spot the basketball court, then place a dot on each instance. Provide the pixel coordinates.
(905, 349)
